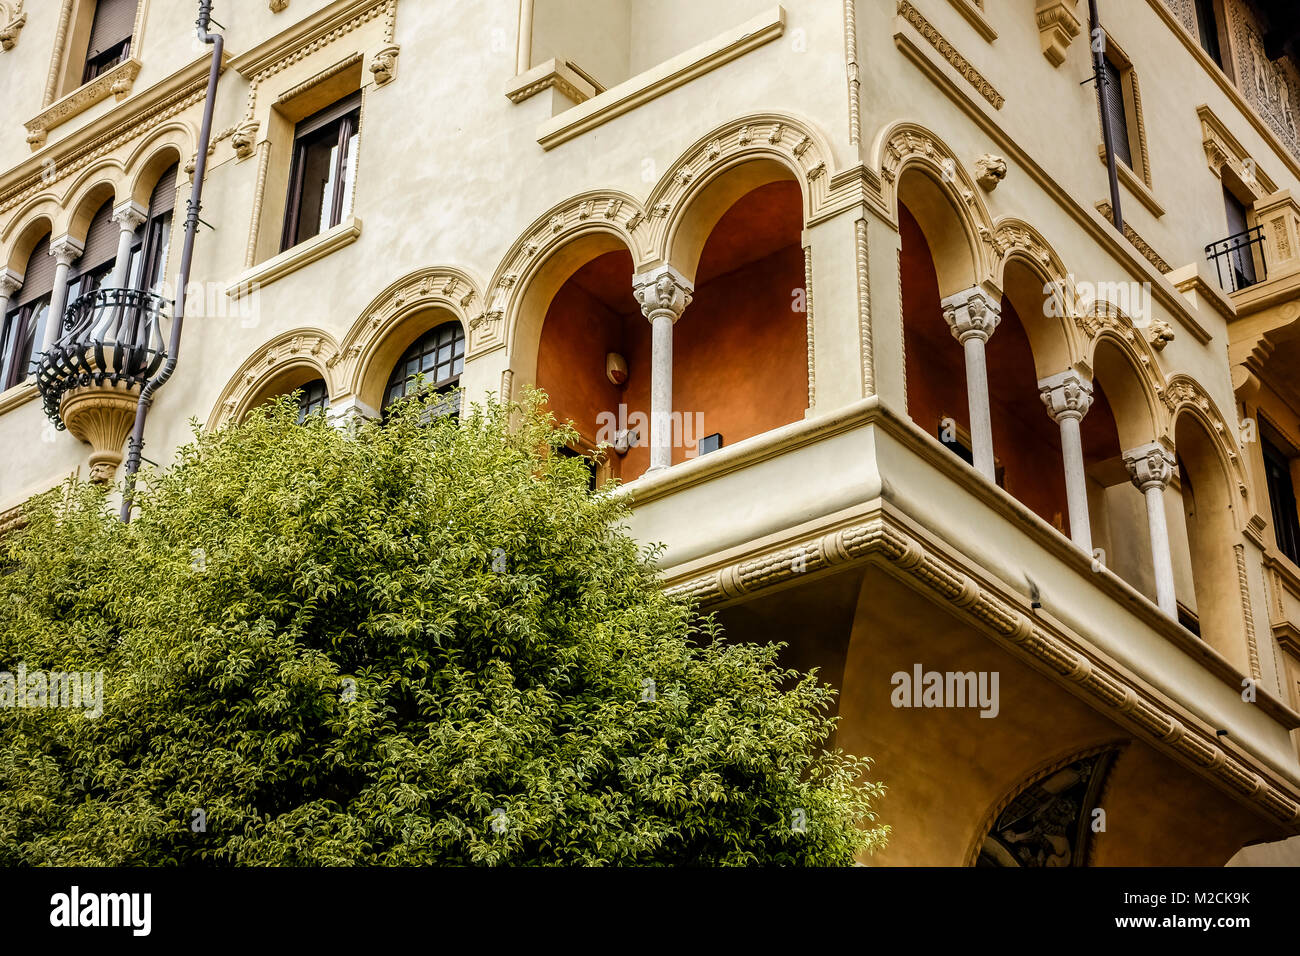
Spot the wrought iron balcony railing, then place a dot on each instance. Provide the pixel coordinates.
(1241, 257)
(110, 337)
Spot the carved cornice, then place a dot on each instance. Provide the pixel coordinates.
(140, 114)
(116, 82)
(1222, 148)
(945, 49)
(553, 74)
(1058, 25)
(886, 540)
(311, 34)
(1138, 243)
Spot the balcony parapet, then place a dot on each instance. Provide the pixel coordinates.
(112, 343)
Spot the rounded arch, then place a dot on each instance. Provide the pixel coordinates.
(79, 211)
(1090, 768)
(918, 170)
(23, 241)
(145, 169)
(550, 250)
(1118, 369)
(1034, 279)
(1211, 510)
(281, 365)
(724, 165)
(1184, 395)
(394, 319)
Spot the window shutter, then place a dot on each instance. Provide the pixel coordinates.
(1115, 110)
(164, 194)
(114, 22)
(38, 279)
(101, 241)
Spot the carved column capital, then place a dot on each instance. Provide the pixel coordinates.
(10, 282)
(129, 215)
(1066, 395)
(662, 291)
(971, 313)
(66, 250)
(1150, 466)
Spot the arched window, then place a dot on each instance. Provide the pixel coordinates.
(313, 397)
(28, 311)
(438, 356)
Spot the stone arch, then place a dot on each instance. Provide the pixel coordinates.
(1100, 758)
(549, 251)
(1182, 394)
(1029, 271)
(397, 316)
(151, 160)
(918, 169)
(281, 365)
(1118, 368)
(22, 240)
(723, 166)
(90, 194)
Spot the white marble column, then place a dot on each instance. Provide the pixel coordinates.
(1068, 396)
(128, 217)
(972, 316)
(664, 294)
(1151, 467)
(65, 250)
(10, 282)
(348, 412)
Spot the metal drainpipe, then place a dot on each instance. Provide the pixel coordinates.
(136, 446)
(1103, 93)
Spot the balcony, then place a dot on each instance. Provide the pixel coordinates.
(1239, 259)
(112, 342)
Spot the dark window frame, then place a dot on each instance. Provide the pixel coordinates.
(346, 113)
(449, 335)
(1281, 499)
(13, 369)
(313, 398)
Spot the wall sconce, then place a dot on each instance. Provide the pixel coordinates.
(616, 368)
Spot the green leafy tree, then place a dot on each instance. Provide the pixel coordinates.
(404, 644)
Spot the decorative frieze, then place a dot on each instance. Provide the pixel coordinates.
(945, 49)
(117, 82)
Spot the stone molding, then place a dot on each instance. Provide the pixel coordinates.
(12, 20)
(936, 39)
(303, 346)
(1058, 25)
(117, 82)
(885, 540)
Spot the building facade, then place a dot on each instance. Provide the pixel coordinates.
(841, 283)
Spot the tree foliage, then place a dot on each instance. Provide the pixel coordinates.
(404, 644)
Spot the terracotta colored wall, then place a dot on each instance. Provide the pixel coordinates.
(740, 354)
(1025, 440)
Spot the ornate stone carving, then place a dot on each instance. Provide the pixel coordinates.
(1067, 395)
(989, 171)
(296, 347)
(1160, 334)
(958, 62)
(130, 215)
(278, 6)
(116, 82)
(1058, 24)
(971, 313)
(1138, 243)
(662, 291)
(12, 22)
(1150, 466)
(102, 417)
(383, 64)
(243, 139)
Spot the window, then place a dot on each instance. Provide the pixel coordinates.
(313, 398)
(438, 356)
(1281, 496)
(91, 270)
(1240, 253)
(323, 172)
(1116, 111)
(1207, 25)
(110, 37)
(149, 250)
(24, 324)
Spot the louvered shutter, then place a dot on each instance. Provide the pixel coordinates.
(1115, 109)
(164, 194)
(114, 22)
(38, 279)
(101, 241)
